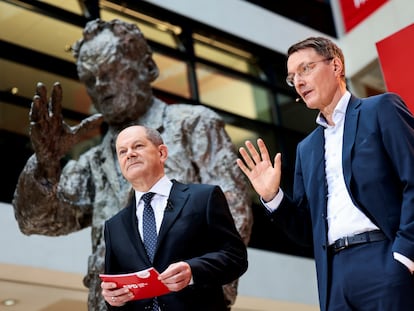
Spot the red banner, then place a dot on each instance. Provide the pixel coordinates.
(355, 11)
(395, 54)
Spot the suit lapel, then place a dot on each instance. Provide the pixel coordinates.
(176, 201)
(350, 128)
(131, 226)
(315, 158)
(317, 162)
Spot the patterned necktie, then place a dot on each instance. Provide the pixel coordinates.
(149, 229)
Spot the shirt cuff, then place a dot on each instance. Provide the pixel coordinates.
(273, 204)
(405, 261)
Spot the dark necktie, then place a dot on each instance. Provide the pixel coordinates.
(149, 230)
(149, 227)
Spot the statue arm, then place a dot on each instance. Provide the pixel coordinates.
(38, 206)
(40, 209)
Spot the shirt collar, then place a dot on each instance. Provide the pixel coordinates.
(161, 187)
(339, 111)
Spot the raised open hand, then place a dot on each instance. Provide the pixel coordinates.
(51, 137)
(264, 177)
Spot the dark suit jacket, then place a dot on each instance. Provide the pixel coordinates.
(378, 167)
(197, 228)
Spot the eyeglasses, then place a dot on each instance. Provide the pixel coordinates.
(303, 71)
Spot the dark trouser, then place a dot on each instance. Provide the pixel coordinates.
(367, 278)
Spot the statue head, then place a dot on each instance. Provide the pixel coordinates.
(115, 63)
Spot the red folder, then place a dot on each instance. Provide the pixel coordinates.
(143, 284)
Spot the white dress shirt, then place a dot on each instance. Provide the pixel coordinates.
(344, 218)
(159, 202)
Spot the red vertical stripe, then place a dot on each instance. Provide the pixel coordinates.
(395, 54)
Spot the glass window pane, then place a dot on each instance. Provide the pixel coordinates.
(38, 32)
(14, 119)
(220, 57)
(295, 115)
(225, 55)
(233, 95)
(152, 28)
(71, 6)
(239, 135)
(75, 96)
(51, 36)
(173, 75)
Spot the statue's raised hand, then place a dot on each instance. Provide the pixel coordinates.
(51, 137)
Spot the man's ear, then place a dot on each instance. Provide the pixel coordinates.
(163, 150)
(152, 67)
(338, 66)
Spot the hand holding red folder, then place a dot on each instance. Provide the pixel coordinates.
(143, 284)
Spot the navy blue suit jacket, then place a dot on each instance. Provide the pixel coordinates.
(378, 167)
(197, 228)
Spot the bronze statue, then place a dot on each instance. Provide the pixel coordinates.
(115, 63)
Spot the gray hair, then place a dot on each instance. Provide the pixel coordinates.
(154, 136)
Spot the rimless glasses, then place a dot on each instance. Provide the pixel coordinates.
(304, 70)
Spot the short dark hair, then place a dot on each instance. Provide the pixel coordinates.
(323, 46)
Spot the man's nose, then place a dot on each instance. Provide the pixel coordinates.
(131, 153)
(297, 80)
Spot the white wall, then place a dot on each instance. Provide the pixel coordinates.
(270, 275)
(242, 19)
(66, 253)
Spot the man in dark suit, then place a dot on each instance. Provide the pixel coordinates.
(116, 64)
(198, 248)
(353, 191)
